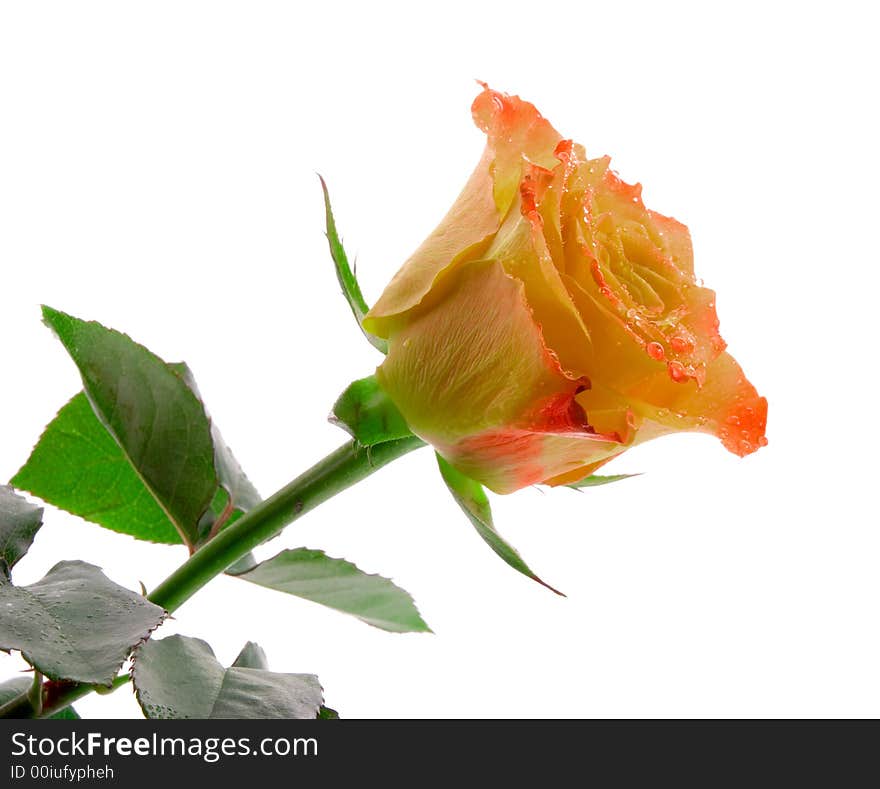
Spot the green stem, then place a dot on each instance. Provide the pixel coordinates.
(57, 696)
(339, 470)
(73, 691)
(336, 472)
(35, 697)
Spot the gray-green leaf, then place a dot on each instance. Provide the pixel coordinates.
(472, 499)
(156, 419)
(252, 655)
(19, 522)
(340, 585)
(365, 412)
(75, 623)
(179, 677)
(347, 279)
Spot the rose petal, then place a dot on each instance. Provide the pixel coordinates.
(582, 471)
(474, 360)
(514, 128)
(521, 248)
(472, 376)
(515, 131)
(726, 406)
(462, 235)
(507, 460)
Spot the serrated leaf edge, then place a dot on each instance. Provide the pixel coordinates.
(338, 611)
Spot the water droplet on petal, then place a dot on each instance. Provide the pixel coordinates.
(677, 372)
(682, 345)
(655, 351)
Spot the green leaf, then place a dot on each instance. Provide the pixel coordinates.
(237, 493)
(66, 714)
(472, 499)
(179, 677)
(152, 414)
(340, 585)
(75, 623)
(241, 493)
(365, 412)
(79, 467)
(346, 276)
(18, 685)
(19, 522)
(328, 714)
(595, 480)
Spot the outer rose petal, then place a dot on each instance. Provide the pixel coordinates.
(508, 460)
(463, 235)
(473, 377)
(514, 128)
(515, 131)
(582, 471)
(727, 406)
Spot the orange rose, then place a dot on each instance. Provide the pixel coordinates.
(551, 321)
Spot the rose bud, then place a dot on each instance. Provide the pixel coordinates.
(551, 320)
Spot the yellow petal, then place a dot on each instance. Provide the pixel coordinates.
(463, 235)
(726, 406)
(514, 130)
(521, 248)
(474, 360)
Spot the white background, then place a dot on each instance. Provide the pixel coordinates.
(158, 173)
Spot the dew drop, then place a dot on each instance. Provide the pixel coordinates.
(682, 345)
(677, 372)
(655, 351)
